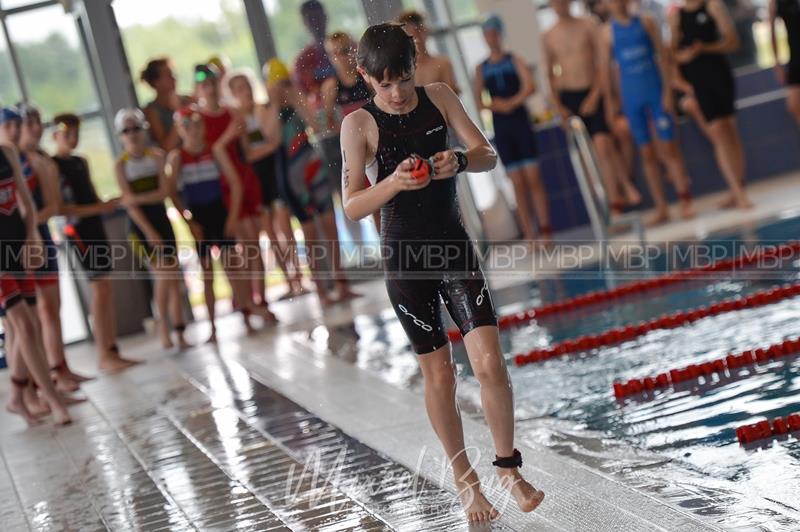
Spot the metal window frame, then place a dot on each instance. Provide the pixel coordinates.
(12, 51)
(261, 30)
(16, 64)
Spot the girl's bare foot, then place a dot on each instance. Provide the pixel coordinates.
(60, 414)
(660, 217)
(63, 383)
(33, 403)
(17, 407)
(346, 293)
(744, 204)
(16, 402)
(166, 340)
(527, 497)
(475, 504)
(212, 339)
(76, 377)
(687, 211)
(62, 370)
(265, 313)
(729, 202)
(632, 195)
(114, 363)
(248, 325)
(325, 300)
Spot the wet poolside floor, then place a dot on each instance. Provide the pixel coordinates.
(277, 433)
(200, 441)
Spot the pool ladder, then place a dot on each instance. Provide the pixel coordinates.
(584, 160)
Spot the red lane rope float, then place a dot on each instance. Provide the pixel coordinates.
(666, 321)
(786, 348)
(768, 428)
(602, 296)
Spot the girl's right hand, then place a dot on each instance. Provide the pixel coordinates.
(402, 179)
(112, 205)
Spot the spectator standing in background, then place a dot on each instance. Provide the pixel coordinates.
(311, 68)
(158, 74)
(789, 75)
(509, 83)
(430, 68)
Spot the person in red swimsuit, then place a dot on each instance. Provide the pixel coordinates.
(226, 128)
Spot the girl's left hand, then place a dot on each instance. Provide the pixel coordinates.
(445, 164)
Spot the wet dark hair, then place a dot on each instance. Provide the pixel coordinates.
(67, 120)
(152, 71)
(386, 50)
(310, 5)
(411, 17)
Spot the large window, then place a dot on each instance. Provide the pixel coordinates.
(291, 35)
(11, 4)
(188, 31)
(9, 90)
(53, 63)
(55, 72)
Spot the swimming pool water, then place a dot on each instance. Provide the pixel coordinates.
(681, 445)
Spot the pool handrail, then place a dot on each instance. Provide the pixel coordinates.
(595, 196)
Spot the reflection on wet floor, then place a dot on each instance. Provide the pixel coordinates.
(195, 443)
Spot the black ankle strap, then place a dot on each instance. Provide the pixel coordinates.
(114, 348)
(509, 462)
(180, 327)
(20, 383)
(62, 366)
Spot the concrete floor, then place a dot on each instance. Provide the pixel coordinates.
(265, 433)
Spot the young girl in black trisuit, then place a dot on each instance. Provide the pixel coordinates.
(140, 175)
(702, 33)
(789, 75)
(383, 142)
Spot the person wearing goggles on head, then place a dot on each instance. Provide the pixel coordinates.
(140, 175)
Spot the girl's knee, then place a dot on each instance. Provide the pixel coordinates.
(440, 376)
(648, 154)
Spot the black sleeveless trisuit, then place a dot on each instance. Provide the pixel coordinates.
(427, 255)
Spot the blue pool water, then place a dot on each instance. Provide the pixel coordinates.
(680, 446)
